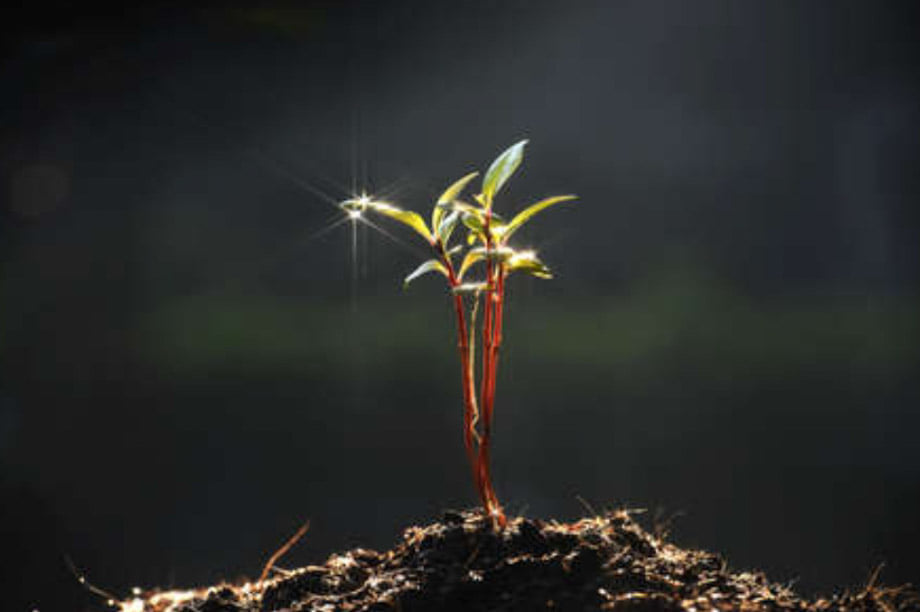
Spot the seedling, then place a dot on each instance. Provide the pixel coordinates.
(487, 250)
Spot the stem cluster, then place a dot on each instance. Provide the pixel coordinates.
(477, 413)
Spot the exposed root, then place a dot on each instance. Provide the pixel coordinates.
(283, 550)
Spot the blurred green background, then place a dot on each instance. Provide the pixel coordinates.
(194, 361)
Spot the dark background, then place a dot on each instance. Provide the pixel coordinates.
(191, 368)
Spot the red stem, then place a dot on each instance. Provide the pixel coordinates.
(495, 343)
(469, 385)
(496, 336)
(493, 299)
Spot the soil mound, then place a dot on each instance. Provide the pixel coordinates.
(607, 562)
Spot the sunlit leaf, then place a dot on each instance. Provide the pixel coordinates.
(466, 207)
(501, 170)
(528, 262)
(474, 221)
(453, 251)
(502, 253)
(543, 272)
(471, 257)
(437, 214)
(408, 217)
(498, 228)
(447, 225)
(522, 217)
(432, 265)
(470, 288)
(451, 193)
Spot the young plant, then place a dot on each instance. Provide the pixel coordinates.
(486, 249)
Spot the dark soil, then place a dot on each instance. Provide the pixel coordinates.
(460, 563)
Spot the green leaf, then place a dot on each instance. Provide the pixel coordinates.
(471, 257)
(451, 193)
(447, 225)
(431, 265)
(437, 213)
(447, 198)
(408, 217)
(502, 253)
(474, 221)
(529, 262)
(524, 216)
(501, 170)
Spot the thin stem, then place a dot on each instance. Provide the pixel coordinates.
(487, 492)
(468, 398)
(467, 355)
(486, 344)
(497, 334)
(471, 428)
(485, 448)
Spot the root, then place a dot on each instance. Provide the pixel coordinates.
(283, 550)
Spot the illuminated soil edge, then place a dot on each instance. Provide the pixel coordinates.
(604, 563)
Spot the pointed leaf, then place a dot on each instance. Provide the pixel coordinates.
(529, 262)
(451, 193)
(471, 257)
(447, 225)
(502, 253)
(431, 265)
(544, 272)
(522, 217)
(501, 170)
(408, 217)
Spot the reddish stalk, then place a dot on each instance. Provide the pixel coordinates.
(488, 408)
(492, 300)
(496, 336)
(470, 412)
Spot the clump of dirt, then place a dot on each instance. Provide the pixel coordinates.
(607, 562)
